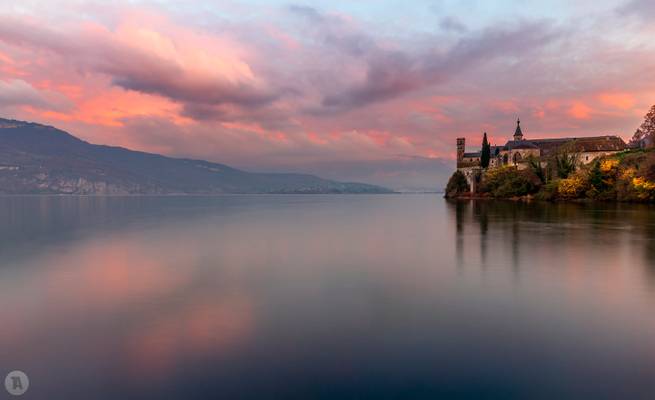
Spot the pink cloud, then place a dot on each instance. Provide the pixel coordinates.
(154, 57)
(580, 110)
(621, 101)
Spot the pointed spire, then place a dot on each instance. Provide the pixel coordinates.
(518, 134)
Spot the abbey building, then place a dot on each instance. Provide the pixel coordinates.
(520, 149)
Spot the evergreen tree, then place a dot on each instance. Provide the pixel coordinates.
(485, 155)
(596, 177)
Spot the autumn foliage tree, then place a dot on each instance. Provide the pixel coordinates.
(645, 135)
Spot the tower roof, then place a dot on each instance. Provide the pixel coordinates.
(518, 134)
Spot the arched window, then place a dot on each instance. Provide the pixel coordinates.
(517, 158)
(505, 159)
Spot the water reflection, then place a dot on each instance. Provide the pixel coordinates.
(601, 227)
(326, 297)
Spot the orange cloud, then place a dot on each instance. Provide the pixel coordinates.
(622, 101)
(580, 110)
(110, 107)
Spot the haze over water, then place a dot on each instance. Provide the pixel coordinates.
(326, 297)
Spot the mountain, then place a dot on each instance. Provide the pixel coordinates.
(39, 159)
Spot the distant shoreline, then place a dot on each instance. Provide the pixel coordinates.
(39, 159)
(199, 194)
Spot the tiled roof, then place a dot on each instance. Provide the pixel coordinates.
(520, 144)
(549, 145)
(599, 143)
(589, 144)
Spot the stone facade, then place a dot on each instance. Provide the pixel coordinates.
(518, 151)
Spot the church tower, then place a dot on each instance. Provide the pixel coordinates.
(461, 148)
(518, 134)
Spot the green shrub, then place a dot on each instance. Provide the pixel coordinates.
(508, 181)
(548, 192)
(602, 179)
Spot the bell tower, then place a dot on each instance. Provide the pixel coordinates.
(461, 148)
(518, 134)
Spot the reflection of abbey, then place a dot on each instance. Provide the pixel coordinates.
(518, 151)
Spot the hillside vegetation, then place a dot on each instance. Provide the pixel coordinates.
(628, 176)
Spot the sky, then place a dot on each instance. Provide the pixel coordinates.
(373, 91)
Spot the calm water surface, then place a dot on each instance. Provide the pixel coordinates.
(326, 297)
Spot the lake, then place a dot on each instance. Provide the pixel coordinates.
(326, 297)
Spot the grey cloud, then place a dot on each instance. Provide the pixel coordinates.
(18, 93)
(640, 8)
(334, 32)
(452, 24)
(388, 75)
(392, 73)
(307, 12)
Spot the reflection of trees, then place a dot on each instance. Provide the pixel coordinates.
(562, 223)
(646, 216)
(482, 216)
(459, 208)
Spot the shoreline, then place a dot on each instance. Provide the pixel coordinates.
(533, 199)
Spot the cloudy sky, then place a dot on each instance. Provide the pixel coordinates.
(375, 91)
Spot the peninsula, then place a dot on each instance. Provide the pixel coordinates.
(592, 168)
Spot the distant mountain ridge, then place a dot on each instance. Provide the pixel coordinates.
(40, 159)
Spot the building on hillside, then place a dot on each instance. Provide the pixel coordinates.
(645, 142)
(520, 150)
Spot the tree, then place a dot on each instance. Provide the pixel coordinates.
(562, 162)
(646, 133)
(565, 164)
(596, 177)
(457, 185)
(637, 138)
(509, 181)
(485, 155)
(535, 165)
